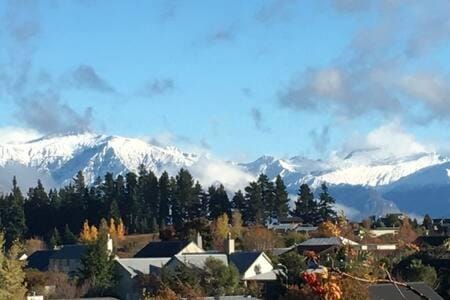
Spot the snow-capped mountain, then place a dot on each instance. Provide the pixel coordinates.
(59, 157)
(367, 181)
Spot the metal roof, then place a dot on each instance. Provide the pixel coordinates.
(136, 266)
(199, 259)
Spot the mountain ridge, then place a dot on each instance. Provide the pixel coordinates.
(372, 176)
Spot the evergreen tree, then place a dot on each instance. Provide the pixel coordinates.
(12, 275)
(37, 209)
(132, 199)
(219, 203)
(55, 239)
(183, 197)
(164, 200)
(427, 222)
(68, 237)
(305, 206)
(281, 198)
(97, 266)
(325, 206)
(267, 196)
(238, 202)
(13, 216)
(254, 213)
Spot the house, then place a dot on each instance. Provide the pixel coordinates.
(168, 249)
(67, 259)
(387, 291)
(195, 260)
(441, 226)
(128, 268)
(253, 266)
(39, 260)
(324, 245)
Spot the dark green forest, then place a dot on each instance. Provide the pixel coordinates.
(147, 203)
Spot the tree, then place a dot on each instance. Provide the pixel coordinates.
(406, 233)
(417, 271)
(55, 239)
(218, 202)
(306, 206)
(12, 215)
(12, 276)
(120, 231)
(259, 238)
(112, 230)
(325, 206)
(281, 205)
(220, 230)
(254, 212)
(236, 225)
(68, 236)
(164, 200)
(85, 234)
(328, 229)
(97, 266)
(183, 197)
(427, 222)
(219, 279)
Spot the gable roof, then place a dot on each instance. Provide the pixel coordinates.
(387, 291)
(39, 260)
(162, 248)
(243, 260)
(136, 266)
(69, 252)
(199, 259)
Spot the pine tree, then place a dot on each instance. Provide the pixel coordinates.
(281, 198)
(219, 203)
(37, 209)
(183, 197)
(254, 212)
(164, 200)
(267, 196)
(13, 216)
(69, 237)
(306, 206)
(427, 222)
(97, 266)
(12, 275)
(55, 239)
(325, 206)
(112, 228)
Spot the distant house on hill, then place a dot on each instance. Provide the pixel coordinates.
(168, 249)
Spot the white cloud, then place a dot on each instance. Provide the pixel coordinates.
(11, 135)
(209, 171)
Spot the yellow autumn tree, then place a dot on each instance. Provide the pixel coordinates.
(85, 234)
(220, 231)
(328, 229)
(93, 233)
(236, 225)
(112, 228)
(120, 230)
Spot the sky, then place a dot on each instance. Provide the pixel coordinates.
(238, 79)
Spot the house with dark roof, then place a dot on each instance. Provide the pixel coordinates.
(168, 249)
(387, 291)
(431, 240)
(67, 259)
(324, 245)
(39, 260)
(253, 266)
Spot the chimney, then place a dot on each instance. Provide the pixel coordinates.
(199, 240)
(229, 244)
(109, 244)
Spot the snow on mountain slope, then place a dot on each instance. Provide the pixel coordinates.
(61, 156)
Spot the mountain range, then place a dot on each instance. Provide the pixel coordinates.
(364, 181)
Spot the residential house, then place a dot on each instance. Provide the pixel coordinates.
(387, 291)
(128, 269)
(431, 240)
(323, 245)
(168, 249)
(39, 260)
(67, 259)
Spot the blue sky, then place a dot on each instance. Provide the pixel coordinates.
(238, 79)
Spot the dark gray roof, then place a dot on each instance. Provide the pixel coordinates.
(162, 249)
(39, 260)
(70, 252)
(243, 260)
(388, 291)
(329, 241)
(431, 240)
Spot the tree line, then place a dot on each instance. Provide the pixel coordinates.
(146, 203)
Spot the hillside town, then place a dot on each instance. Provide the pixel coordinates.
(309, 252)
